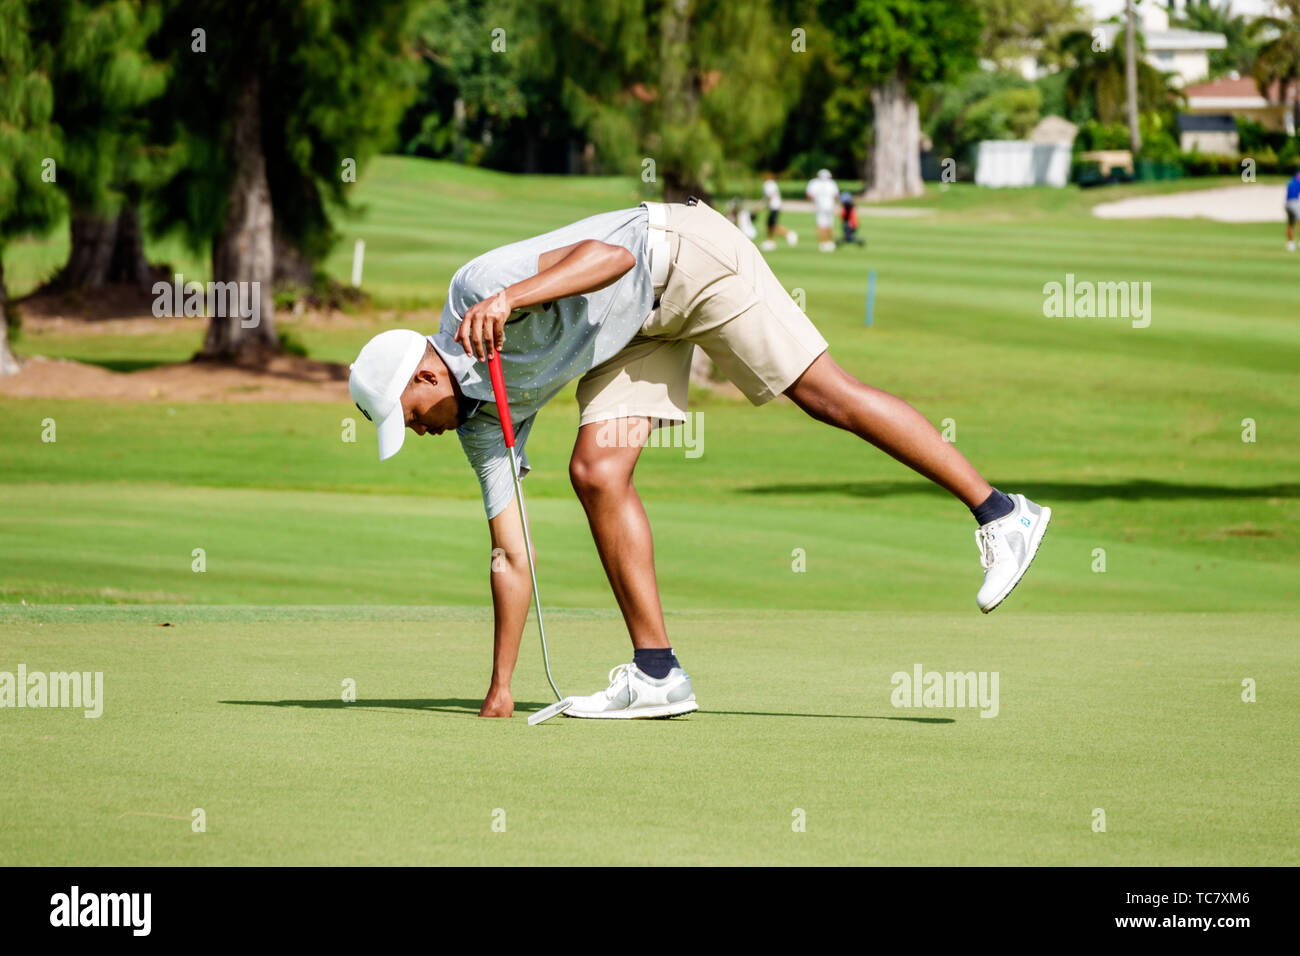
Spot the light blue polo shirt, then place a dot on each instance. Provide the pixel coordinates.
(546, 346)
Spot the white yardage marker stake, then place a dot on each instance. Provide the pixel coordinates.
(358, 254)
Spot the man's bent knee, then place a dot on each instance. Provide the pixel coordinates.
(597, 474)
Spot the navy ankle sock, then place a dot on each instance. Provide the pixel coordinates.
(655, 661)
(995, 506)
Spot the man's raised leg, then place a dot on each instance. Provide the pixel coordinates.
(1010, 526)
(829, 394)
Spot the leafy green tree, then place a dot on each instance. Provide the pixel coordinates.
(824, 127)
(897, 47)
(1094, 135)
(471, 93)
(1007, 114)
(102, 76)
(684, 92)
(982, 105)
(1052, 86)
(276, 106)
(1015, 29)
(29, 147)
(1096, 82)
(1278, 60)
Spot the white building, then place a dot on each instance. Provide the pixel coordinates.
(1183, 53)
(1041, 160)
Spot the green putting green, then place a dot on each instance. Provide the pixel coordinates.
(239, 712)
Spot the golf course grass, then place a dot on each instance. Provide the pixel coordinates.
(800, 570)
(238, 712)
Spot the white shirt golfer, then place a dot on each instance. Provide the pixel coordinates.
(773, 193)
(824, 193)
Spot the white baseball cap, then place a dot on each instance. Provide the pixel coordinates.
(379, 376)
(823, 174)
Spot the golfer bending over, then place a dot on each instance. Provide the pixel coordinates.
(619, 301)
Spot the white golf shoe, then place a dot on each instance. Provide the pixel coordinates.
(634, 693)
(768, 245)
(1007, 545)
(791, 238)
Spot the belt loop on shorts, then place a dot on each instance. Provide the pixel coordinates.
(657, 247)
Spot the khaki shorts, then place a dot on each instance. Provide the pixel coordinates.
(720, 295)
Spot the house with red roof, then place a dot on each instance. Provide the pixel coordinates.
(1274, 109)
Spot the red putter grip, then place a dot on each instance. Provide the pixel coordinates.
(499, 392)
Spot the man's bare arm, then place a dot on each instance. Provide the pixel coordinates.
(512, 590)
(572, 270)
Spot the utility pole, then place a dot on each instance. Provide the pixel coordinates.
(1130, 76)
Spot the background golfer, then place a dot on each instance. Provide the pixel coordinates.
(825, 195)
(772, 196)
(619, 301)
(1292, 208)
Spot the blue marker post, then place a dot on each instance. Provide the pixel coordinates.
(871, 296)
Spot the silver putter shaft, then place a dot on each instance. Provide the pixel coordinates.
(532, 570)
(503, 411)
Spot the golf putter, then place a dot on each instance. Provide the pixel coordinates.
(562, 703)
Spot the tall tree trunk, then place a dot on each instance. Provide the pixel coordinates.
(292, 266)
(8, 362)
(298, 210)
(104, 249)
(679, 99)
(243, 251)
(1131, 78)
(128, 263)
(91, 240)
(895, 168)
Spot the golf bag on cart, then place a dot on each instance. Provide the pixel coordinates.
(849, 220)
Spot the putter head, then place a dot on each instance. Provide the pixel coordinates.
(546, 713)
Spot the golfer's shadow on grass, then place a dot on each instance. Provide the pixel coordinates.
(447, 705)
(763, 713)
(1045, 492)
(461, 705)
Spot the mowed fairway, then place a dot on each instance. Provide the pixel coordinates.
(239, 712)
(800, 570)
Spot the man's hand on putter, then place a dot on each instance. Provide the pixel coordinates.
(484, 326)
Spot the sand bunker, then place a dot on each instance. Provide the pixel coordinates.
(1253, 203)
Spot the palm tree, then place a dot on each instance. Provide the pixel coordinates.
(1278, 60)
(1130, 77)
(1216, 16)
(1100, 74)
